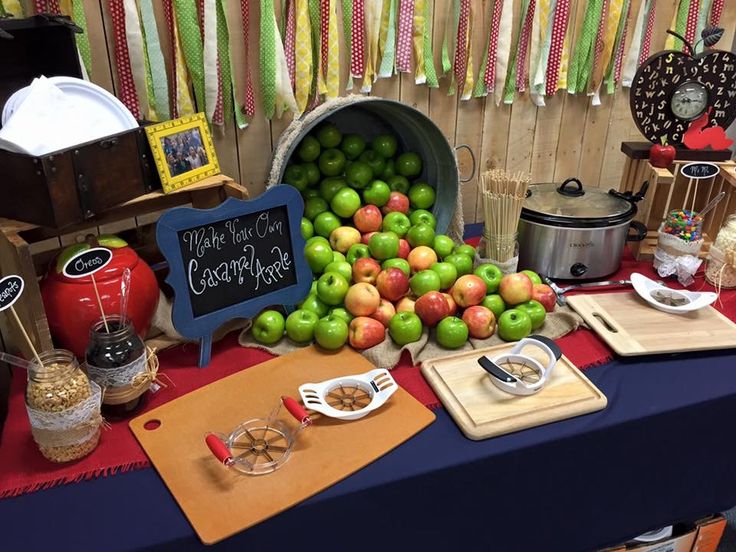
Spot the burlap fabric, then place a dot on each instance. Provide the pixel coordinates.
(387, 354)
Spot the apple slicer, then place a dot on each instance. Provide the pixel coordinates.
(349, 397)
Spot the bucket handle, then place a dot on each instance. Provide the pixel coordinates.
(472, 158)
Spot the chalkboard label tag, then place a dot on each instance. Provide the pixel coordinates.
(11, 288)
(700, 170)
(87, 262)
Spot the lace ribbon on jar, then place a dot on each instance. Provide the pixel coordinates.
(127, 382)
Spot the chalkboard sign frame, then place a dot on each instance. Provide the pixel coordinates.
(685, 172)
(182, 218)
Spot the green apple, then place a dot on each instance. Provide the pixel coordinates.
(328, 135)
(312, 172)
(398, 183)
(309, 149)
(424, 281)
(424, 217)
(443, 245)
(314, 304)
(306, 228)
(447, 273)
(345, 202)
(385, 145)
(389, 170)
(397, 262)
(357, 251)
(300, 325)
(377, 193)
(340, 312)
(514, 324)
(268, 327)
(452, 333)
(384, 245)
(342, 268)
(331, 332)
(310, 193)
(463, 263)
(325, 223)
(320, 239)
(331, 288)
(359, 174)
(495, 304)
(352, 145)
(318, 255)
(375, 161)
(465, 249)
(420, 234)
(404, 328)
(535, 310)
(409, 165)
(330, 186)
(421, 195)
(296, 176)
(313, 288)
(396, 222)
(337, 256)
(314, 206)
(332, 162)
(491, 275)
(533, 276)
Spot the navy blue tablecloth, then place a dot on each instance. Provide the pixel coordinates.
(662, 451)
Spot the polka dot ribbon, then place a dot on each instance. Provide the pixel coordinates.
(403, 49)
(489, 74)
(290, 40)
(559, 30)
(80, 18)
(600, 41)
(387, 39)
(268, 57)
(581, 63)
(189, 32)
(357, 42)
(47, 6)
(521, 62)
(715, 12)
(679, 22)
(647, 40)
(250, 102)
(428, 58)
(614, 72)
(126, 86)
(692, 21)
(510, 84)
(460, 63)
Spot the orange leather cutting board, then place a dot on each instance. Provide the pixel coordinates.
(220, 502)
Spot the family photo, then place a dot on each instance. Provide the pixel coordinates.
(184, 151)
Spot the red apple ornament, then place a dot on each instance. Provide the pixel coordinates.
(662, 155)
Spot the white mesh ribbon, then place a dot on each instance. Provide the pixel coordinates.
(119, 377)
(678, 257)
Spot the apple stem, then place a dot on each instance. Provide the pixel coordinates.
(684, 41)
(663, 140)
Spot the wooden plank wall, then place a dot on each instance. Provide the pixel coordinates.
(567, 137)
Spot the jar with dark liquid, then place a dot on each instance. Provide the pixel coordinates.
(117, 361)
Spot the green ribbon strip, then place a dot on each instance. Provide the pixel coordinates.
(681, 22)
(241, 119)
(2, 10)
(429, 69)
(481, 90)
(187, 22)
(347, 31)
(157, 81)
(544, 52)
(85, 51)
(581, 64)
(388, 59)
(316, 23)
(451, 39)
(702, 19)
(268, 57)
(510, 86)
(610, 78)
(223, 51)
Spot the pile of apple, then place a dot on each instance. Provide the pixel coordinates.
(380, 267)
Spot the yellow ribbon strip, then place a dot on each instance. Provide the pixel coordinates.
(304, 60)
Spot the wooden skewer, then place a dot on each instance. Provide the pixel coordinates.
(25, 334)
(99, 302)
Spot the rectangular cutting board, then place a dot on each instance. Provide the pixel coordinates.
(220, 502)
(482, 410)
(632, 327)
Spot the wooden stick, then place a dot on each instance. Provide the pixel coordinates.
(687, 193)
(99, 302)
(672, 189)
(25, 334)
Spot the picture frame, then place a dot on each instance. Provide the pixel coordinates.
(183, 151)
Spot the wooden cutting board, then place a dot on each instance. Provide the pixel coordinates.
(632, 327)
(482, 410)
(220, 502)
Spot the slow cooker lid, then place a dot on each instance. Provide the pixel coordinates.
(571, 200)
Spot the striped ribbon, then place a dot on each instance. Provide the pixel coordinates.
(250, 102)
(429, 69)
(290, 40)
(357, 45)
(403, 48)
(715, 12)
(523, 48)
(126, 84)
(373, 10)
(304, 55)
(692, 21)
(559, 31)
(387, 39)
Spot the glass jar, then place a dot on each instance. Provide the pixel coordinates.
(63, 407)
(117, 361)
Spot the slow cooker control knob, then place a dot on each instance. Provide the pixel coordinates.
(578, 269)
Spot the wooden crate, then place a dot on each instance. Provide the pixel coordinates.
(27, 249)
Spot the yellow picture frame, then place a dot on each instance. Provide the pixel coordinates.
(183, 151)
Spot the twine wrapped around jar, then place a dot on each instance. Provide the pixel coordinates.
(721, 265)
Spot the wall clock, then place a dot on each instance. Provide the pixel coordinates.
(671, 89)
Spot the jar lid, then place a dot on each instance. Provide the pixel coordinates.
(571, 200)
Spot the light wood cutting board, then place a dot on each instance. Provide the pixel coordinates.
(632, 327)
(220, 502)
(482, 410)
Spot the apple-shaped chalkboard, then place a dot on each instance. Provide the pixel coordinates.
(672, 88)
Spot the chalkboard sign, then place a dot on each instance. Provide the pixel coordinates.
(699, 171)
(87, 262)
(233, 260)
(11, 288)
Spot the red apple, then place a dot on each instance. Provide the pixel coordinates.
(365, 238)
(469, 290)
(662, 155)
(515, 288)
(404, 248)
(366, 270)
(365, 332)
(384, 312)
(451, 303)
(480, 321)
(406, 304)
(362, 299)
(545, 295)
(431, 308)
(396, 202)
(421, 258)
(392, 284)
(368, 219)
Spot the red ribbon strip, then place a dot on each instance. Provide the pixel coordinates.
(461, 44)
(646, 43)
(559, 29)
(692, 20)
(600, 37)
(250, 102)
(290, 41)
(490, 76)
(715, 12)
(127, 93)
(47, 6)
(621, 45)
(522, 69)
(403, 49)
(357, 54)
(324, 14)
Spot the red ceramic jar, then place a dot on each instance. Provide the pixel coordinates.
(71, 305)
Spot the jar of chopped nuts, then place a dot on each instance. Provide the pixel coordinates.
(63, 407)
